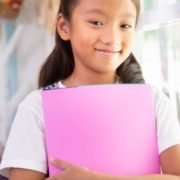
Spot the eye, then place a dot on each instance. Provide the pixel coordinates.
(126, 26)
(96, 23)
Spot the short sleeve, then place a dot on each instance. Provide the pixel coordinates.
(168, 126)
(25, 147)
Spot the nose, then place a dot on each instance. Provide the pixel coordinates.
(111, 36)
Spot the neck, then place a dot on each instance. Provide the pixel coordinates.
(76, 79)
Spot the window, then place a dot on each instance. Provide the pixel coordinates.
(160, 53)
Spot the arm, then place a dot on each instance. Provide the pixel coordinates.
(19, 174)
(170, 163)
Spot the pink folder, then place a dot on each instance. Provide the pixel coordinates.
(107, 128)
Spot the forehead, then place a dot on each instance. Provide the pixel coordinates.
(107, 7)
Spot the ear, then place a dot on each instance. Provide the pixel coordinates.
(63, 27)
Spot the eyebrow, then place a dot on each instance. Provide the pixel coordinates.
(101, 12)
(128, 15)
(97, 11)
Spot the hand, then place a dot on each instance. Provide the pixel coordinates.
(71, 172)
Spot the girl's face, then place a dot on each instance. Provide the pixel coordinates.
(101, 34)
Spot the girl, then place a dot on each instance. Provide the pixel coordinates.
(94, 41)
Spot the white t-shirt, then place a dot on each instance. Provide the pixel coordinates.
(25, 147)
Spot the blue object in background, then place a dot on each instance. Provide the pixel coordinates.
(12, 62)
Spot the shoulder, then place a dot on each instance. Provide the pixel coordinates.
(159, 96)
(33, 102)
(164, 109)
(33, 97)
(163, 105)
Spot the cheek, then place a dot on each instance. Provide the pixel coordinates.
(82, 43)
(86, 40)
(129, 41)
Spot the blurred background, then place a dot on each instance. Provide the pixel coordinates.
(26, 38)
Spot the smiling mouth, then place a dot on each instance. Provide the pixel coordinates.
(107, 52)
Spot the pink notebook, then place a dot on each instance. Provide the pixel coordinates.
(107, 128)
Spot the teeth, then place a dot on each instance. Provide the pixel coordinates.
(101, 50)
(106, 51)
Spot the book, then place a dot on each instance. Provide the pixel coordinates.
(106, 128)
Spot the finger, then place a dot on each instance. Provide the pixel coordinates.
(60, 164)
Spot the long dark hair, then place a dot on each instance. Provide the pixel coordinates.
(60, 63)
